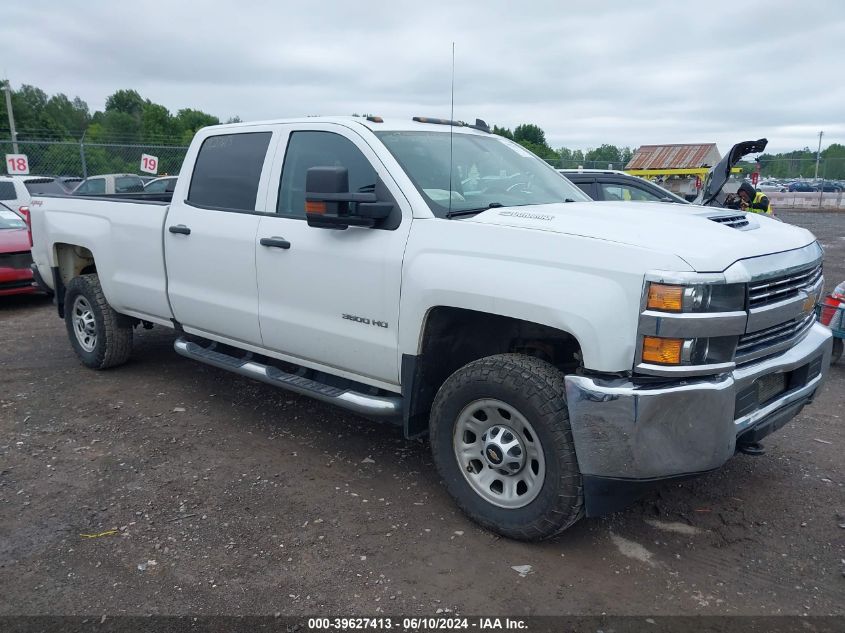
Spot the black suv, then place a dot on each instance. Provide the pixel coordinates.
(617, 185)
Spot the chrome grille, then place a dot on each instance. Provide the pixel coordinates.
(772, 339)
(776, 289)
(733, 221)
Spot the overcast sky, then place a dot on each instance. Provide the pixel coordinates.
(627, 73)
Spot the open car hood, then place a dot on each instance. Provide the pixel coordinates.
(719, 174)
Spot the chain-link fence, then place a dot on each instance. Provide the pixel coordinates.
(73, 158)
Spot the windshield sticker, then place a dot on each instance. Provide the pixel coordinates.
(524, 214)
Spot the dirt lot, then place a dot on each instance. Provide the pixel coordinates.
(229, 496)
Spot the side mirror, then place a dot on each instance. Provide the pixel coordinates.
(330, 205)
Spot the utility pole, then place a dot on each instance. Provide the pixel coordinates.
(818, 155)
(7, 87)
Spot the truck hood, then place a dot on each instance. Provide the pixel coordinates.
(704, 237)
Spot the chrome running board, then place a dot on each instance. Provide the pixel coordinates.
(364, 404)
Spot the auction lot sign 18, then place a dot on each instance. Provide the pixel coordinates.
(17, 164)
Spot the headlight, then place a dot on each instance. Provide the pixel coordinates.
(688, 351)
(695, 297)
(662, 351)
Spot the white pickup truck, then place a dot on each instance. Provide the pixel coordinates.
(561, 354)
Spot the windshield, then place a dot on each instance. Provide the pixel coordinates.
(10, 220)
(486, 171)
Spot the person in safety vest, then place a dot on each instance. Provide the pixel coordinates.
(753, 200)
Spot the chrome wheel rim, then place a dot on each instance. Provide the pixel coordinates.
(499, 453)
(84, 324)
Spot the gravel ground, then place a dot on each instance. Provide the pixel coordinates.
(169, 487)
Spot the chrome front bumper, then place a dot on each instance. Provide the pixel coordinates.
(639, 432)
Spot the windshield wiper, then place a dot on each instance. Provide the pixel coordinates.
(461, 212)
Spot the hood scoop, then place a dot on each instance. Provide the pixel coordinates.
(739, 221)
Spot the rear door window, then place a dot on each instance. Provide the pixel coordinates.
(92, 187)
(587, 184)
(227, 171)
(44, 186)
(626, 193)
(7, 191)
(128, 184)
(165, 185)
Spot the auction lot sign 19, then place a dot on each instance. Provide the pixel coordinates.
(149, 164)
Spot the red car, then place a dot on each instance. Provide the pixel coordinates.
(15, 257)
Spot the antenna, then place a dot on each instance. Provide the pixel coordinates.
(451, 126)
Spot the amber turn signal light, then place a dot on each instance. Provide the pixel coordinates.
(665, 298)
(662, 351)
(315, 206)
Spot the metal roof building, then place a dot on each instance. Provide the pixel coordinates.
(676, 156)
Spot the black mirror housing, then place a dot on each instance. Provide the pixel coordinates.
(330, 204)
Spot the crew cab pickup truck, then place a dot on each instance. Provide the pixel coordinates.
(561, 354)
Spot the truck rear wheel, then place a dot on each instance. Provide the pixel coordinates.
(98, 337)
(501, 440)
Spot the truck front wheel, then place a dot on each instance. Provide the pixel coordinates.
(501, 440)
(95, 330)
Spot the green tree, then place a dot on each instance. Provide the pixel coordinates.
(834, 162)
(157, 123)
(530, 133)
(503, 131)
(189, 121)
(604, 155)
(72, 117)
(126, 101)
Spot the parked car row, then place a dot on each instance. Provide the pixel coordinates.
(108, 184)
(800, 186)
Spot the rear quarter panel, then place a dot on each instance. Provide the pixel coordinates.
(125, 239)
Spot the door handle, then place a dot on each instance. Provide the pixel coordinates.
(181, 229)
(274, 242)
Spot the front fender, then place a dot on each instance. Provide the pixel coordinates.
(589, 288)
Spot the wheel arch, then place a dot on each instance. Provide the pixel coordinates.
(452, 337)
(73, 260)
(69, 261)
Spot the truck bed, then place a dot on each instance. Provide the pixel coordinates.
(125, 236)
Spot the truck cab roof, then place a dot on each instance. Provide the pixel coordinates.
(375, 124)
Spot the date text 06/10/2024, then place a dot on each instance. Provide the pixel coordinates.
(416, 623)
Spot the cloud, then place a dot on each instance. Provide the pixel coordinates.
(619, 72)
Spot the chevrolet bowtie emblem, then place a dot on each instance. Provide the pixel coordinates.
(809, 303)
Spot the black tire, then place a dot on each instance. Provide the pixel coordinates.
(536, 390)
(837, 351)
(113, 339)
